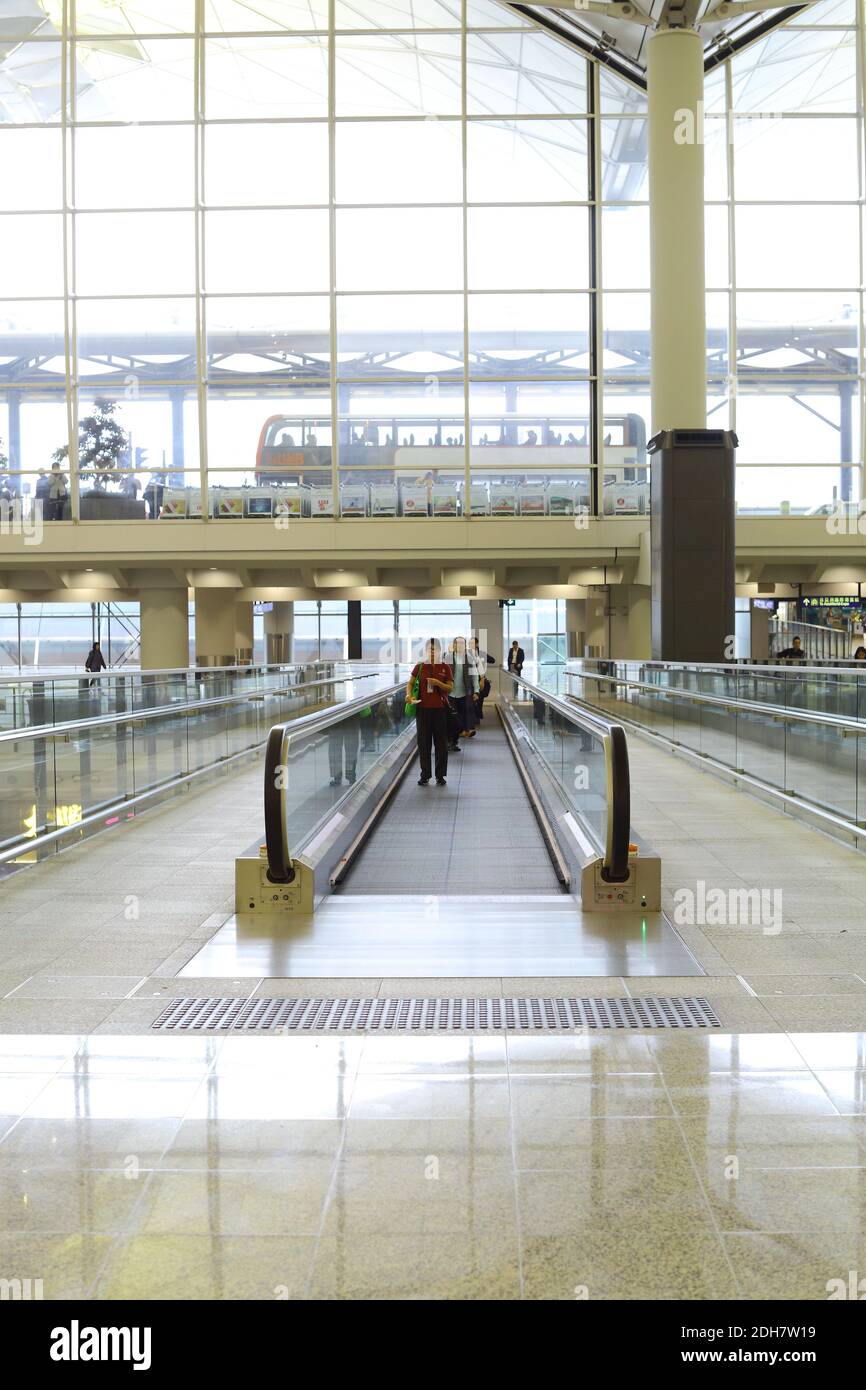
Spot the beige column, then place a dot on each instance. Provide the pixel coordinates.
(215, 627)
(575, 626)
(244, 637)
(164, 629)
(675, 80)
(485, 615)
(279, 634)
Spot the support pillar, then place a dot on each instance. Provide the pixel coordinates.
(215, 627)
(675, 82)
(244, 633)
(279, 634)
(485, 617)
(575, 627)
(164, 629)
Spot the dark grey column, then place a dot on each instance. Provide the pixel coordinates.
(692, 533)
(354, 629)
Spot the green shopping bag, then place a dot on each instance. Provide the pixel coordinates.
(415, 696)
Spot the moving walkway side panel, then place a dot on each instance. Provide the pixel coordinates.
(635, 884)
(272, 877)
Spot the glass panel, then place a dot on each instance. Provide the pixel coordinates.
(399, 162)
(770, 257)
(120, 253)
(407, 76)
(400, 334)
(264, 163)
(32, 170)
(528, 248)
(280, 440)
(624, 173)
(530, 448)
(249, 79)
(783, 332)
(788, 159)
(269, 336)
(32, 260)
(527, 161)
(150, 166)
(402, 451)
(522, 332)
(107, 17)
(792, 491)
(790, 71)
(279, 251)
(235, 16)
(523, 74)
(132, 82)
(625, 247)
(400, 249)
(31, 92)
(128, 343)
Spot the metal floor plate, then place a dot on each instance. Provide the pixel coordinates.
(485, 1015)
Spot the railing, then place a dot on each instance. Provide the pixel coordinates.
(794, 734)
(819, 643)
(61, 780)
(587, 754)
(304, 772)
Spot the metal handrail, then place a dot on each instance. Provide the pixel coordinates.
(780, 669)
(617, 780)
(280, 868)
(134, 716)
(676, 692)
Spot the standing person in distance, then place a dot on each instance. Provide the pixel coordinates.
(516, 658)
(481, 660)
(464, 692)
(431, 712)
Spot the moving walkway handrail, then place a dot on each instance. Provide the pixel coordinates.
(728, 702)
(279, 854)
(137, 716)
(783, 669)
(617, 781)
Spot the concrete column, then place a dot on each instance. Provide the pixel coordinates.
(215, 627)
(597, 600)
(164, 629)
(279, 634)
(675, 80)
(485, 616)
(575, 626)
(638, 626)
(244, 634)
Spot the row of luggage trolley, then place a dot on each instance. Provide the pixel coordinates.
(379, 500)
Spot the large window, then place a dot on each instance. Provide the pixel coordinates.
(400, 265)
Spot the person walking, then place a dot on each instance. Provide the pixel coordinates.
(431, 712)
(94, 663)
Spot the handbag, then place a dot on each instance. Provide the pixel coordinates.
(415, 695)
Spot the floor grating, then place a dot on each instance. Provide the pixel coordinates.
(440, 1015)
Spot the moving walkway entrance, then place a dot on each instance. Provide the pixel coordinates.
(523, 865)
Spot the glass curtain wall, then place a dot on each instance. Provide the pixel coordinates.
(270, 258)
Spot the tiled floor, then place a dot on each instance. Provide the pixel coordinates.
(657, 1166)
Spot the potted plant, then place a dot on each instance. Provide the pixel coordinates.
(102, 444)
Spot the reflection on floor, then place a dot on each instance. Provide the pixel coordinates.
(438, 1168)
(537, 935)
